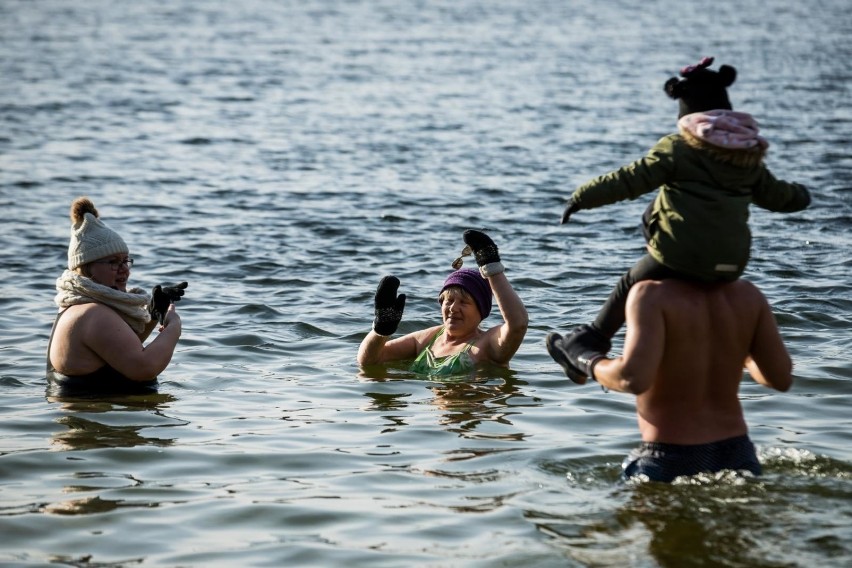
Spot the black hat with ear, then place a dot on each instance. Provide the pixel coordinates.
(702, 89)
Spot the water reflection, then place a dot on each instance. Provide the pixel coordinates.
(89, 506)
(713, 522)
(470, 404)
(87, 560)
(719, 522)
(389, 403)
(473, 406)
(115, 422)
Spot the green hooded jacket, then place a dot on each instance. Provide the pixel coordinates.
(698, 223)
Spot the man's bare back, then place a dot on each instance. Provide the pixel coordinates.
(684, 352)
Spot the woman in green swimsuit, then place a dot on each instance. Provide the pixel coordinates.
(457, 346)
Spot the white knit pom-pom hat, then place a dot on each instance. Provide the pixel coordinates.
(91, 239)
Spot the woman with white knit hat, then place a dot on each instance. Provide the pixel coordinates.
(97, 338)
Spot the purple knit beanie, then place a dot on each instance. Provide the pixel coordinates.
(474, 284)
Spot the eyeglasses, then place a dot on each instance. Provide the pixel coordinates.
(115, 263)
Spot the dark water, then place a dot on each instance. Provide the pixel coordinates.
(281, 157)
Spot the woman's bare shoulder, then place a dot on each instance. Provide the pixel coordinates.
(92, 319)
(95, 310)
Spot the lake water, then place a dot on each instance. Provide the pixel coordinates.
(282, 157)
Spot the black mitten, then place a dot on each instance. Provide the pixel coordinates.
(572, 208)
(388, 306)
(162, 297)
(484, 251)
(578, 353)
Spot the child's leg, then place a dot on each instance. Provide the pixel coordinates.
(611, 316)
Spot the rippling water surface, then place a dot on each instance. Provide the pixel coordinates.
(282, 157)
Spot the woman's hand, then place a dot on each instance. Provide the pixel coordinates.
(388, 307)
(162, 297)
(172, 320)
(484, 251)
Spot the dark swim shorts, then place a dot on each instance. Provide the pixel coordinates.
(664, 462)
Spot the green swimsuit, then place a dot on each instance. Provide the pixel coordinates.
(456, 364)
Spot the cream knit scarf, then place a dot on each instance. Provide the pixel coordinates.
(72, 289)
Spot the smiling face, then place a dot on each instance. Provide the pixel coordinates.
(112, 271)
(459, 311)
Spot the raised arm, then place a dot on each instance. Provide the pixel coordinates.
(504, 340)
(507, 340)
(780, 196)
(628, 182)
(377, 347)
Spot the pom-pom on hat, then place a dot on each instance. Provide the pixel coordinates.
(473, 283)
(91, 239)
(701, 89)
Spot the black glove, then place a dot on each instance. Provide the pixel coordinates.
(162, 297)
(572, 208)
(388, 306)
(484, 251)
(578, 353)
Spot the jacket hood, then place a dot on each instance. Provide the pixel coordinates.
(743, 158)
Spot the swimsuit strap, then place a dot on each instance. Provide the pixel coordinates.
(435, 337)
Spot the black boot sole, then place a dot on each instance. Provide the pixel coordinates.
(553, 342)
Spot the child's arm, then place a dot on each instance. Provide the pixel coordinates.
(779, 195)
(628, 182)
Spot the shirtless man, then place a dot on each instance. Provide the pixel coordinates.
(684, 352)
